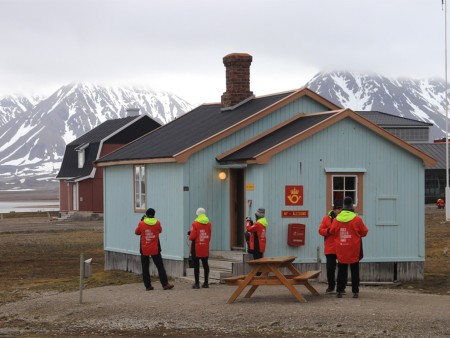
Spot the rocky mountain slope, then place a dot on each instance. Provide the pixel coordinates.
(422, 100)
(34, 130)
(34, 133)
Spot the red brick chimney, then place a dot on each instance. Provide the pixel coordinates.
(238, 79)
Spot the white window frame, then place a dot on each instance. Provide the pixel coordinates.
(359, 186)
(81, 159)
(81, 154)
(345, 192)
(140, 188)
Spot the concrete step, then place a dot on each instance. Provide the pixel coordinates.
(213, 274)
(220, 264)
(235, 256)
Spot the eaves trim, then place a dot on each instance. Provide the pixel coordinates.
(266, 155)
(135, 161)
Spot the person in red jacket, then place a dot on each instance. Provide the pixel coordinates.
(440, 203)
(200, 235)
(348, 229)
(329, 244)
(258, 233)
(149, 229)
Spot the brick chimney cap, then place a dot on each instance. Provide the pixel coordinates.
(244, 56)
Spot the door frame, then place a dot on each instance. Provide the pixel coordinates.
(75, 197)
(237, 208)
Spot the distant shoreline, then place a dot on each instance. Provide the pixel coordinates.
(32, 195)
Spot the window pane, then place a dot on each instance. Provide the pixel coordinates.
(350, 183)
(338, 196)
(139, 187)
(352, 195)
(338, 183)
(143, 201)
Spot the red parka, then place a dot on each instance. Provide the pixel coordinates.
(259, 227)
(348, 228)
(149, 230)
(201, 236)
(324, 230)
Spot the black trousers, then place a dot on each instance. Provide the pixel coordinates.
(343, 276)
(257, 254)
(157, 259)
(205, 264)
(331, 270)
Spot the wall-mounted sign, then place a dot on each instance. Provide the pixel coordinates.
(294, 213)
(293, 195)
(249, 186)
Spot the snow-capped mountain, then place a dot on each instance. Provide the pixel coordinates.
(422, 100)
(33, 134)
(13, 106)
(34, 131)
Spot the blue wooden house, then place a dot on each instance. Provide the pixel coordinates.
(292, 153)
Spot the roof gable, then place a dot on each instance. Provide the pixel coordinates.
(117, 131)
(202, 127)
(261, 148)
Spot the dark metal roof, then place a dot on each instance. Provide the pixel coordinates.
(190, 129)
(387, 120)
(278, 136)
(435, 150)
(107, 128)
(69, 165)
(110, 132)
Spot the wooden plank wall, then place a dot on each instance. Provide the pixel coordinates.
(132, 263)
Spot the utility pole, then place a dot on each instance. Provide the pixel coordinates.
(447, 188)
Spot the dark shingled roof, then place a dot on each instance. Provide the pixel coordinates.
(388, 120)
(69, 167)
(266, 142)
(435, 150)
(190, 129)
(101, 131)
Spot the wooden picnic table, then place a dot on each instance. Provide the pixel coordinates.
(260, 275)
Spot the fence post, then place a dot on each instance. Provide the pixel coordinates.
(81, 276)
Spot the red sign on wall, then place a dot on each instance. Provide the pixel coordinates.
(294, 213)
(293, 195)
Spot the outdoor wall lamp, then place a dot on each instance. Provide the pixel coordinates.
(222, 175)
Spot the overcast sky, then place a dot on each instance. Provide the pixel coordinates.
(178, 45)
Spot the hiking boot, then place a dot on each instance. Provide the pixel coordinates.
(329, 290)
(150, 288)
(205, 285)
(355, 295)
(339, 295)
(168, 286)
(196, 286)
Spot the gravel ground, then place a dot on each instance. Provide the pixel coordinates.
(128, 310)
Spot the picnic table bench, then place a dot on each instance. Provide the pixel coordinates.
(259, 275)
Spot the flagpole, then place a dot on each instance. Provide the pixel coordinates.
(447, 188)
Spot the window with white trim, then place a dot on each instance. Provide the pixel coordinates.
(81, 158)
(343, 186)
(81, 150)
(139, 188)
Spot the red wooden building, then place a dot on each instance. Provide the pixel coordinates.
(80, 183)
